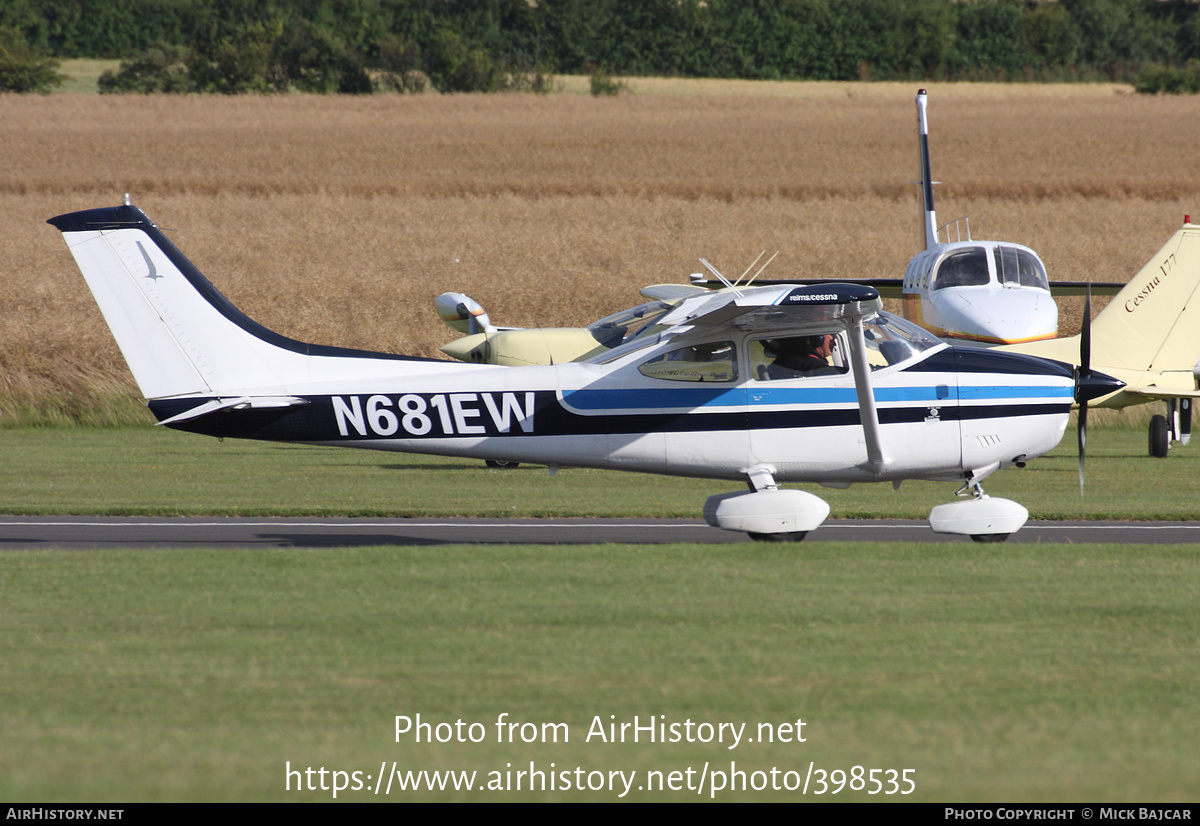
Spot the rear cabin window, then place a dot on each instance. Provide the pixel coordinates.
(712, 361)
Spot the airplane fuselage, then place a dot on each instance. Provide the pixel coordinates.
(943, 414)
(980, 293)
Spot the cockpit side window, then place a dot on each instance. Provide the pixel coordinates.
(798, 357)
(711, 361)
(1020, 267)
(962, 268)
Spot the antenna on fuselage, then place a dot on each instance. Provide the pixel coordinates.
(752, 263)
(720, 277)
(750, 280)
(929, 215)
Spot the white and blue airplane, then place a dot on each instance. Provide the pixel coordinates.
(760, 386)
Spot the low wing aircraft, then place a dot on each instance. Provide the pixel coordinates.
(982, 293)
(704, 395)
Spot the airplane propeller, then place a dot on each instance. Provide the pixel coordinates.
(1084, 373)
(1088, 385)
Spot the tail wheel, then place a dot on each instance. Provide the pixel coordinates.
(1160, 440)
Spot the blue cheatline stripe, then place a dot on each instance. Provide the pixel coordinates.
(691, 398)
(1009, 392)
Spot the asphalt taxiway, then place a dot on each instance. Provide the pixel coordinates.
(82, 532)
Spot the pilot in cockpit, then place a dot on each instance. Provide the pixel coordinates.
(801, 356)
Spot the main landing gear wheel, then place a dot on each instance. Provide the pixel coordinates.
(793, 536)
(1160, 439)
(990, 537)
(494, 463)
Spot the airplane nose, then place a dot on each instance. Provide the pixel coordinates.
(1094, 384)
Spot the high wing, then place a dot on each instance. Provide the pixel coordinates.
(773, 307)
(672, 292)
(893, 287)
(886, 287)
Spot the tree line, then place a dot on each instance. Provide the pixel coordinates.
(465, 45)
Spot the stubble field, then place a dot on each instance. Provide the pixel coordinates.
(337, 220)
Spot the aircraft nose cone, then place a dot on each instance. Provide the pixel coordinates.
(1094, 385)
(994, 314)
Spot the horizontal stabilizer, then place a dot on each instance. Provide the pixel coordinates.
(671, 292)
(240, 403)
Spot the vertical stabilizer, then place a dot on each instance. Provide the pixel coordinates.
(925, 181)
(1153, 324)
(180, 336)
(1149, 334)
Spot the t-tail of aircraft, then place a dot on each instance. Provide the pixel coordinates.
(925, 181)
(179, 334)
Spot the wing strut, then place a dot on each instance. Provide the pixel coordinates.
(876, 459)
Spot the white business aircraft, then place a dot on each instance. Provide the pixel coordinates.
(983, 293)
(721, 390)
(980, 293)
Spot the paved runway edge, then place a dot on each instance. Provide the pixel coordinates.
(82, 532)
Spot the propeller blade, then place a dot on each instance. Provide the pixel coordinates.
(1085, 373)
(1082, 441)
(1085, 335)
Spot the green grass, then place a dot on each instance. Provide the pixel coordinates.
(1006, 674)
(154, 471)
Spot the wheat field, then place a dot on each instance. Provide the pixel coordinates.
(338, 219)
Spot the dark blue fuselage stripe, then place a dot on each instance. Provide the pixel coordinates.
(317, 421)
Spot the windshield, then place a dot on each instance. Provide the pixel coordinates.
(1020, 268)
(618, 328)
(891, 340)
(963, 268)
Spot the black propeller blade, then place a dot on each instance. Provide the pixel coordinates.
(1084, 373)
(1089, 385)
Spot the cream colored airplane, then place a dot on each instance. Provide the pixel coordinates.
(1148, 337)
